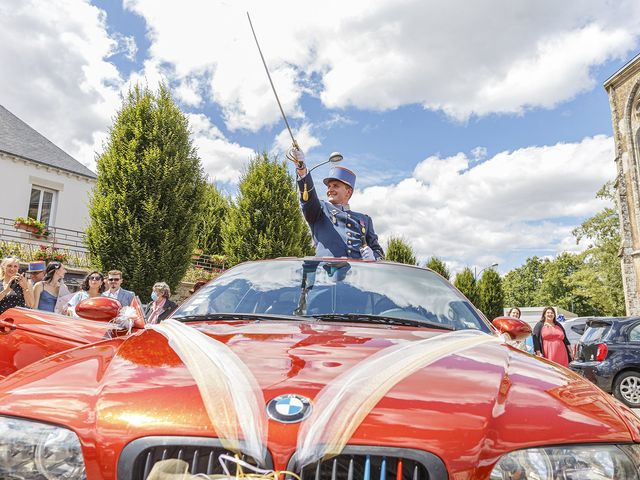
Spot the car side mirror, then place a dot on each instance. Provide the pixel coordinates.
(515, 328)
(100, 309)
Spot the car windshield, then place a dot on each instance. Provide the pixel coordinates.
(335, 290)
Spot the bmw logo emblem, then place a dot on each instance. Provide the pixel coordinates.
(290, 408)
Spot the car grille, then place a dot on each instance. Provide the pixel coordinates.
(354, 463)
(374, 463)
(138, 457)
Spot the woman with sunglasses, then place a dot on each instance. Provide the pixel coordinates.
(92, 286)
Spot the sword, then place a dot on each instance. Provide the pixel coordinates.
(284, 117)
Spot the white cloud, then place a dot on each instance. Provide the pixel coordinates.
(527, 199)
(479, 153)
(222, 160)
(225, 48)
(304, 136)
(125, 45)
(189, 91)
(462, 58)
(55, 76)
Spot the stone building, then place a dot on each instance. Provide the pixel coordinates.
(623, 88)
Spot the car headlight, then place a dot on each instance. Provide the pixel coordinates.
(581, 462)
(38, 451)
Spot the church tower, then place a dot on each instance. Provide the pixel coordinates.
(623, 88)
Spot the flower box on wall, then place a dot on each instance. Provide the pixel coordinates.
(26, 227)
(34, 227)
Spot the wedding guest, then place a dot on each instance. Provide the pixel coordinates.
(514, 312)
(36, 272)
(114, 289)
(92, 286)
(550, 340)
(160, 307)
(45, 293)
(15, 289)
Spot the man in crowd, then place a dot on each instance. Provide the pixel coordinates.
(337, 230)
(114, 280)
(36, 271)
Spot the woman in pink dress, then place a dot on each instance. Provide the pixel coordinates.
(550, 340)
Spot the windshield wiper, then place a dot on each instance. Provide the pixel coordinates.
(381, 319)
(235, 316)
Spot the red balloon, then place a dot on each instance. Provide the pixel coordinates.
(518, 329)
(101, 309)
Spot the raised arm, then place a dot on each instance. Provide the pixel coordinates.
(309, 200)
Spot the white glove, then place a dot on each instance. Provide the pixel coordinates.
(367, 253)
(296, 156)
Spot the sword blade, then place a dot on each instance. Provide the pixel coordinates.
(284, 117)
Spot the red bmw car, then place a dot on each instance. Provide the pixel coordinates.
(329, 368)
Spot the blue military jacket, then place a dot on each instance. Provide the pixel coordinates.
(336, 231)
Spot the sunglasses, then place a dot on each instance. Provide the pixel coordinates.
(114, 279)
(95, 277)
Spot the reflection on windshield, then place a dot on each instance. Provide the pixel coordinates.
(313, 287)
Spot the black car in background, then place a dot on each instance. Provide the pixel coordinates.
(608, 354)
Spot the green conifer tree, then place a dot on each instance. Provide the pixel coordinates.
(437, 265)
(466, 283)
(400, 250)
(149, 189)
(215, 208)
(491, 294)
(265, 220)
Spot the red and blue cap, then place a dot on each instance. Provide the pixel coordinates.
(37, 267)
(341, 174)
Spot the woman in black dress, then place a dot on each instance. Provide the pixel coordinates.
(15, 289)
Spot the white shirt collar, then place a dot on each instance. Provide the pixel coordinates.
(112, 295)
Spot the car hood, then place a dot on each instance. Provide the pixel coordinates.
(468, 408)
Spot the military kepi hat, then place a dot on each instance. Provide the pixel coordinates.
(341, 174)
(37, 267)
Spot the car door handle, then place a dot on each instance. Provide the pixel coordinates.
(6, 326)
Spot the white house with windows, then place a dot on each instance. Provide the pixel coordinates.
(40, 180)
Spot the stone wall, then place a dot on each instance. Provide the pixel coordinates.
(624, 98)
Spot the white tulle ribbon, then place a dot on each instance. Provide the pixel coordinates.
(231, 395)
(343, 404)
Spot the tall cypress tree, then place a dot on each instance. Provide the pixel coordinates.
(491, 294)
(466, 283)
(215, 208)
(399, 250)
(438, 266)
(148, 193)
(265, 220)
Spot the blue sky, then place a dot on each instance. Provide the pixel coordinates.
(480, 132)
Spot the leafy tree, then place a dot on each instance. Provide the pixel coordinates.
(265, 221)
(521, 284)
(437, 265)
(466, 283)
(145, 203)
(400, 250)
(213, 213)
(557, 287)
(600, 279)
(491, 294)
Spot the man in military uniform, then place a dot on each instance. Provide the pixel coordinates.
(337, 230)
